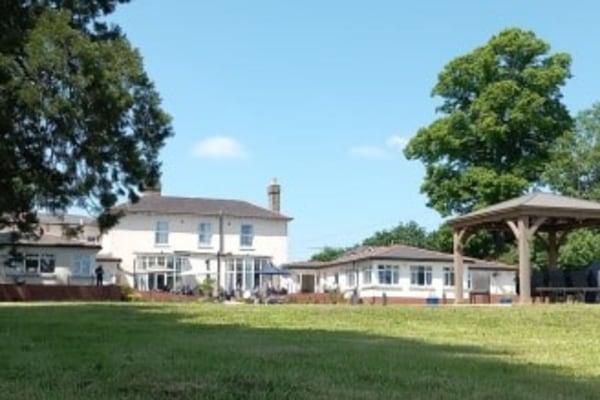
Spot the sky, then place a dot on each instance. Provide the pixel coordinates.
(323, 95)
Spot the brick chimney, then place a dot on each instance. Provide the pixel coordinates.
(274, 191)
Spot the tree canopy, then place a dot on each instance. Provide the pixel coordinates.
(328, 253)
(411, 234)
(81, 122)
(502, 112)
(574, 169)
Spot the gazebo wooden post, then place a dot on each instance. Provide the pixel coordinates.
(459, 237)
(524, 267)
(552, 249)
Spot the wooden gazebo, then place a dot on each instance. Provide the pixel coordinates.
(547, 216)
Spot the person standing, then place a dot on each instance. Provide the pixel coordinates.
(99, 275)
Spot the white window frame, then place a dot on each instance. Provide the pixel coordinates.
(415, 271)
(246, 239)
(161, 233)
(32, 257)
(48, 258)
(204, 234)
(351, 278)
(14, 265)
(80, 261)
(39, 259)
(388, 269)
(449, 277)
(367, 273)
(469, 280)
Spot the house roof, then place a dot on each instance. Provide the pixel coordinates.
(108, 258)
(538, 204)
(396, 253)
(199, 206)
(70, 219)
(47, 241)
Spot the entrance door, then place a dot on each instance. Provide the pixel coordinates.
(158, 280)
(308, 283)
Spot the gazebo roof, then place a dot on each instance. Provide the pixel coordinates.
(561, 211)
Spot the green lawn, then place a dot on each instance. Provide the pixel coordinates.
(151, 351)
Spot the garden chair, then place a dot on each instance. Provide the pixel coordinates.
(557, 280)
(480, 286)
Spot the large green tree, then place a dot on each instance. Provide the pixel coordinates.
(574, 169)
(501, 112)
(81, 123)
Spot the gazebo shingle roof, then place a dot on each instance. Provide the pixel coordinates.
(539, 204)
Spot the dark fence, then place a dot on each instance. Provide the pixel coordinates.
(13, 292)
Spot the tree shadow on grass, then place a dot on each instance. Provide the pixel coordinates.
(107, 351)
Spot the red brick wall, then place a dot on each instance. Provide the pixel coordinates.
(58, 293)
(328, 298)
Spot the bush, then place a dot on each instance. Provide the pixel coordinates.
(207, 286)
(128, 294)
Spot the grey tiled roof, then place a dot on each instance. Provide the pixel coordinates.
(199, 206)
(48, 241)
(395, 253)
(70, 219)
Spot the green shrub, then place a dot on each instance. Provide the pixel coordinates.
(128, 294)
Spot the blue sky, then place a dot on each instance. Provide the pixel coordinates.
(323, 95)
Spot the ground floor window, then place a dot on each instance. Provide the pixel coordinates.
(388, 274)
(351, 277)
(448, 276)
(420, 275)
(162, 262)
(367, 276)
(244, 273)
(32, 263)
(82, 265)
(160, 271)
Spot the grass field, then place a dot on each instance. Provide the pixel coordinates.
(152, 351)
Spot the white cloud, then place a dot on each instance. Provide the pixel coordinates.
(369, 152)
(396, 142)
(219, 147)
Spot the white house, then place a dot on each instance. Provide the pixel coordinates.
(402, 273)
(166, 242)
(62, 252)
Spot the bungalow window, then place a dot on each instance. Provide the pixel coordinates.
(420, 275)
(161, 235)
(204, 234)
(367, 276)
(32, 263)
(351, 277)
(246, 235)
(82, 265)
(47, 264)
(448, 276)
(15, 263)
(38, 264)
(469, 280)
(388, 274)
